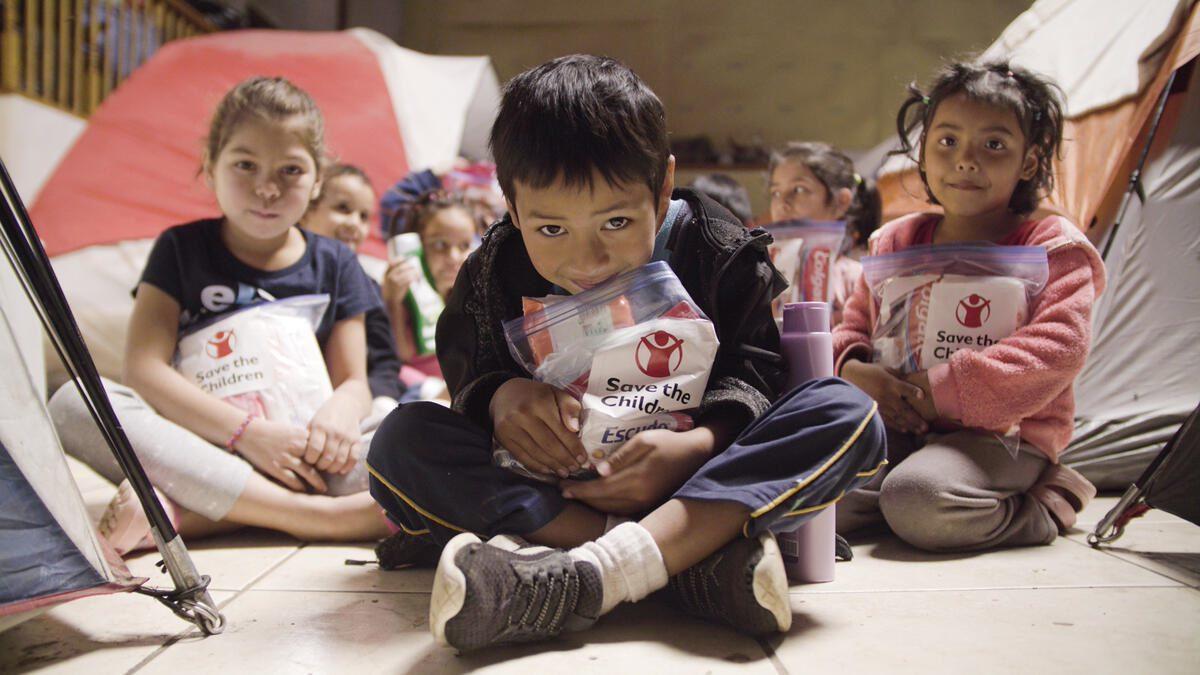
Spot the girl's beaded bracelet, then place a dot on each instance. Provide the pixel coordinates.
(237, 434)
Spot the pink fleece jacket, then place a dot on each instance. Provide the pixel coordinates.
(1027, 378)
(842, 281)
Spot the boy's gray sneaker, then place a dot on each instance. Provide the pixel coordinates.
(742, 585)
(484, 595)
(519, 545)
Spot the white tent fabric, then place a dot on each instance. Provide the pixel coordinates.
(1099, 51)
(39, 565)
(28, 434)
(1142, 378)
(444, 104)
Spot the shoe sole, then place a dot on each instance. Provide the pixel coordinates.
(770, 583)
(449, 588)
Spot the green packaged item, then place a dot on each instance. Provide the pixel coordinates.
(424, 303)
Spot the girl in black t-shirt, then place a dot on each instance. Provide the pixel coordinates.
(219, 466)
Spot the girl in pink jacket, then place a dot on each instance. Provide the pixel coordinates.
(989, 134)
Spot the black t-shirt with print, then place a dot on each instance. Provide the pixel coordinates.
(191, 264)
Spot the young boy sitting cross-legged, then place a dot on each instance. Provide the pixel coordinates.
(581, 150)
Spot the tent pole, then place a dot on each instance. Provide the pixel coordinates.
(25, 253)
(1135, 178)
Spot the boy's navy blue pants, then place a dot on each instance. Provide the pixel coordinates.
(431, 468)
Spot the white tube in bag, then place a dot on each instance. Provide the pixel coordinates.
(425, 305)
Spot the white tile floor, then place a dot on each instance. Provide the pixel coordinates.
(1066, 608)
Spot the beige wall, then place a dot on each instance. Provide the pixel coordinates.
(383, 16)
(807, 69)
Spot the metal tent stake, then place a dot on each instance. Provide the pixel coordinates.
(190, 598)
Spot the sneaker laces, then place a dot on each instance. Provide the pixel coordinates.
(553, 593)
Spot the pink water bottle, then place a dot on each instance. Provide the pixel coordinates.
(808, 552)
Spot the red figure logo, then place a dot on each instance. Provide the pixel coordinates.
(659, 353)
(221, 344)
(973, 311)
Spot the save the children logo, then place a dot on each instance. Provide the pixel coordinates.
(659, 354)
(973, 311)
(221, 344)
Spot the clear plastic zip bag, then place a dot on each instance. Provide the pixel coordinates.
(933, 301)
(263, 359)
(636, 351)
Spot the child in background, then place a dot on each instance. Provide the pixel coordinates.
(816, 181)
(220, 466)
(447, 230)
(582, 155)
(727, 192)
(343, 211)
(989, 135)
(344, 207)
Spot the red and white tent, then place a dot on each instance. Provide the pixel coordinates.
(133, 171)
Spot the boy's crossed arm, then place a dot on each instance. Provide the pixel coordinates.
(539, 425)
(651, 466)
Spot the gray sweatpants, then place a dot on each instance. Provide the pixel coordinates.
(194, 473)
(960, 491)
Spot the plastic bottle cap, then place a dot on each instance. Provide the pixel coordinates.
(806, 317)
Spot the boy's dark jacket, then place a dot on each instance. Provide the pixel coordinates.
(723, 266)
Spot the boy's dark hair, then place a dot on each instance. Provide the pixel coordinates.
(1035, 100)
(835, 170)
(575, 114)
(727, 192)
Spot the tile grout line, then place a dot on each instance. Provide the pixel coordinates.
(1107, 552)
(968, 589)
(174, 639)
(1184, 584)
(770, 652)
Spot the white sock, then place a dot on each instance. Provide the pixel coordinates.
(631, 566)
